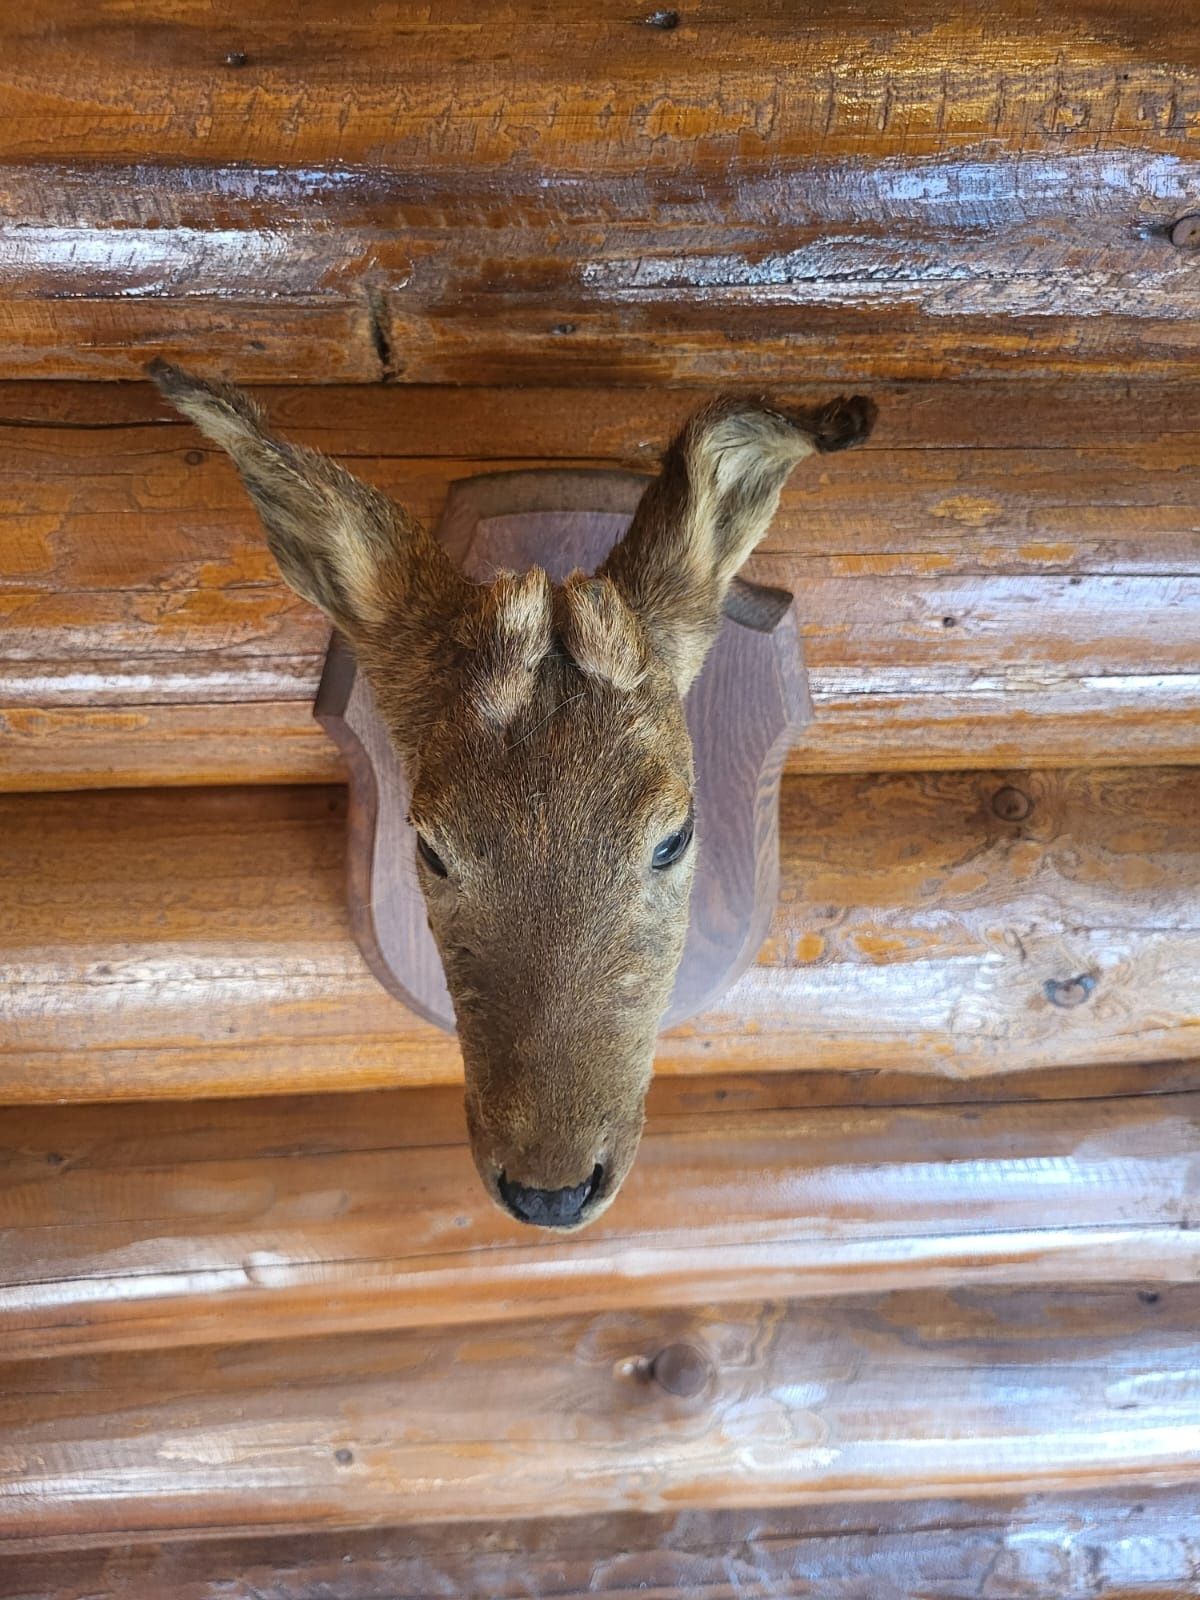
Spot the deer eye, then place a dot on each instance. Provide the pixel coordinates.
(673, 846)
(430, 857)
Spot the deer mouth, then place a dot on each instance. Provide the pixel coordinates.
(551, 1208)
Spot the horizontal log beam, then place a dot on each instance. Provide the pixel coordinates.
(872, 267)
(269, 88)
(1091, 1547)
(1006, 573)
(909, 1396)
(879, 190)
(195, 943)
(197, 1226)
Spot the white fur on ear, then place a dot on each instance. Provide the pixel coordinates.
(515, 636)
(601, 634)
(738, 467)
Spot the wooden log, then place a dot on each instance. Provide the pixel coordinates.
(143, 745)
(885, 310)
(139, 600)
(274, 90)
(919, 299)
(909, 1396)
(879, 190)
(124, 1230)
(115, 338)
(1081, 1547)
(627, 427)
(958, 925)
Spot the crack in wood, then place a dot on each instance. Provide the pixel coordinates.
(379, 319)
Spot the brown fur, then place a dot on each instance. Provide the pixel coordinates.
(544, 739)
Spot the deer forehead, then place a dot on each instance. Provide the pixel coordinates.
(546, 672)
(522, 622)
(581, 762)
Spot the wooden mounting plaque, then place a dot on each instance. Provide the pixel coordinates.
(745, 709)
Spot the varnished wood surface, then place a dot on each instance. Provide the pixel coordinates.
(378, 196)
(958, 925)
(1006, 572)
(390, 192)
(1095, 1547)
(129, 1227)
(125, 84)
(976, 261)
(919, 1395)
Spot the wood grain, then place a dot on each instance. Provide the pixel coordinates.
(624, 426)
(417, 214)
(1083, 1547)
(921, 1395)
(389, 193)
(171, 942)
(906, 79)
(877, 283)
(322, 1218)
(1056, 529)
(82, 336)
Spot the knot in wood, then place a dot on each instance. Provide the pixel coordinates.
(1070, 992)
(1011, 805)
(681, 1369)
(1185, 235)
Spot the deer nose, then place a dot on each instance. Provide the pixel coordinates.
(549, 1208)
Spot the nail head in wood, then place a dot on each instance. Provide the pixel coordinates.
(1070, 992)
(682, 1370)
(1186, 232)
(1011, 805)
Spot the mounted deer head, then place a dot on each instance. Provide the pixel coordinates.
(543, 735)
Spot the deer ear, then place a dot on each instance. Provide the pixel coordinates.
(710, 505)
(339, 543)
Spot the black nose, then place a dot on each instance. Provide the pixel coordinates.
(549, 1208)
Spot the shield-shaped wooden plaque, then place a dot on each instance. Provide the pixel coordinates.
(746, 708)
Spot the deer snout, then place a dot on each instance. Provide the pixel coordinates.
(551, 1208)
(550, 1161)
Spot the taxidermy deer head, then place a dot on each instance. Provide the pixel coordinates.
(543, 736)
